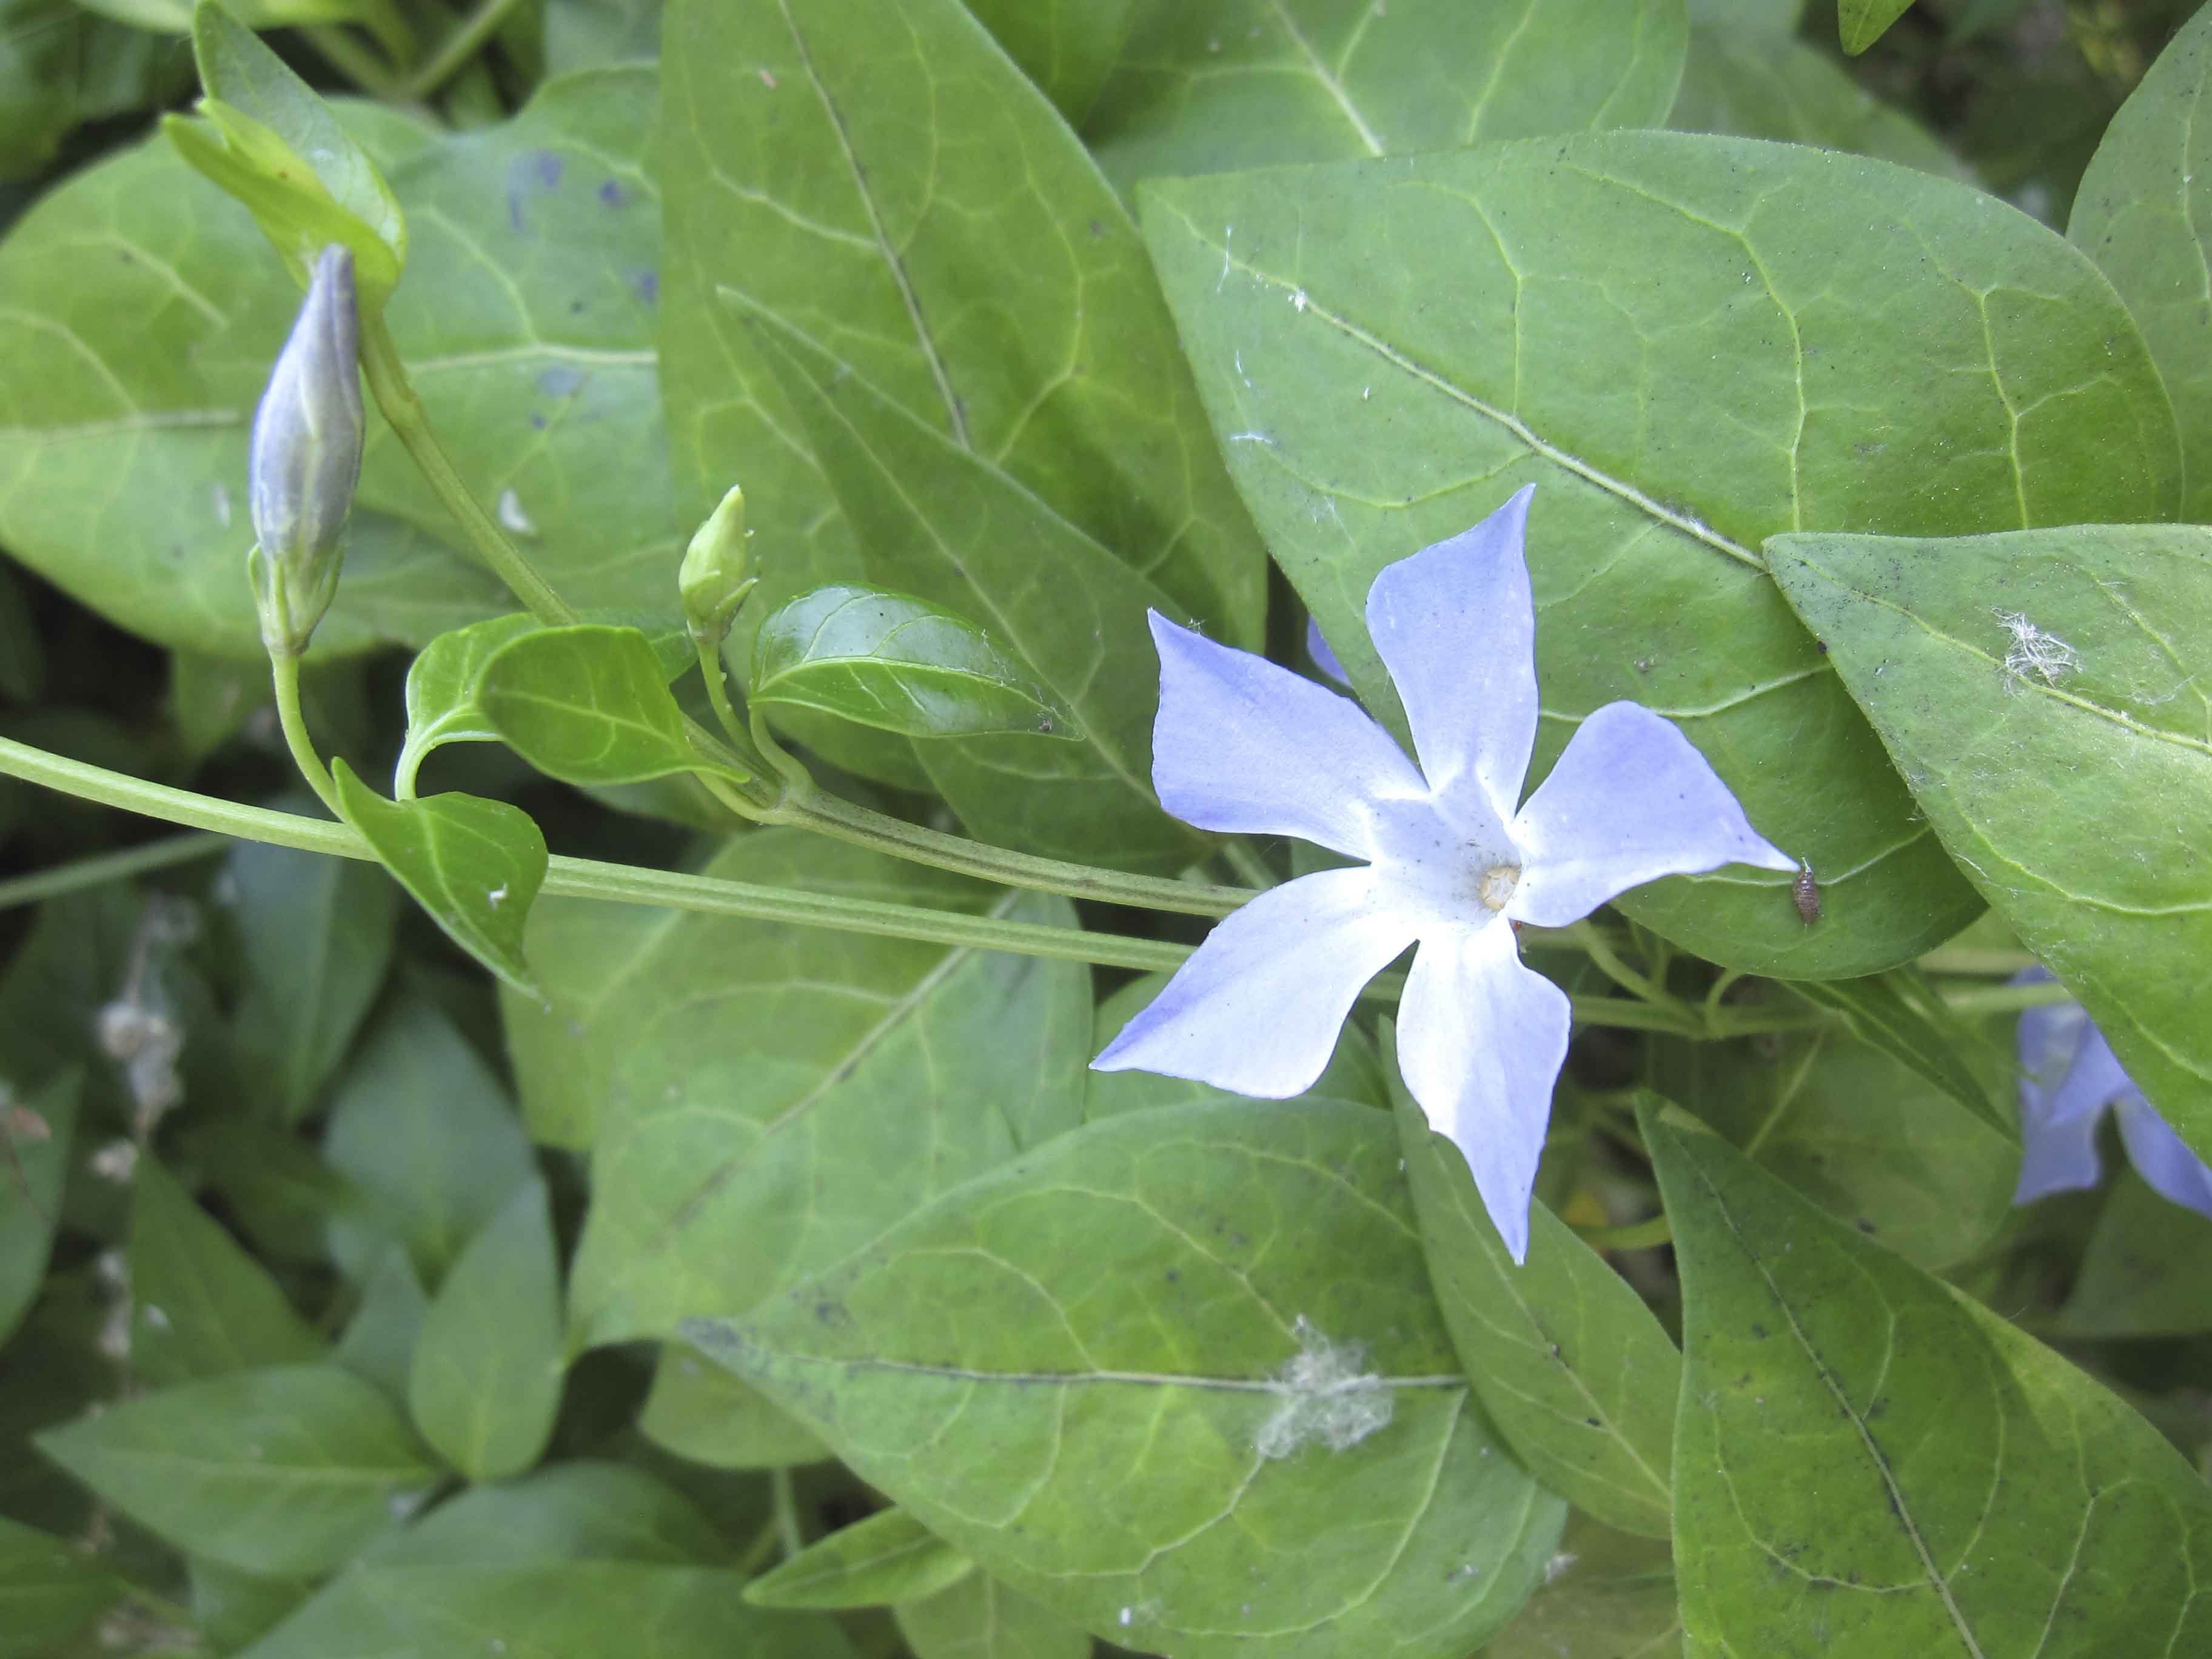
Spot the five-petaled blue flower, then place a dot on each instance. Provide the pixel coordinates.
(2067, 1076)
(1452, 857)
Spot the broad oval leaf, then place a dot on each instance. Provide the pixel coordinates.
(441, 689)
(1901, 1014)
(486, 1375)
(1577, 1373)
(1067, 48)
(1208, 86)
(287, 1470)
(51, 1589)
(890, 1556)
(896, 663)
(475, 865)
(2146, 1270)
(1692, 344)
(2045, 693)
(1178, 1377)
(979, 1618)
(2141, 216)
(699, 1411)
(1862, 1451)
(38, 1152)
(589, 705)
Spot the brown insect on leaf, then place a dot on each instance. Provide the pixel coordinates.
(1807, 893)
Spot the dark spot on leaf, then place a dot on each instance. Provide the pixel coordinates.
(612, 194)
(560, 380)
(834, 1313)
(531, 174)
(1097, 229)
(1865, 1226)
(1760, 1332)
(1823, 647)
(1593, 1422)
(1644, 665)
(648, 285)
(1173, 1277)
(536, 421)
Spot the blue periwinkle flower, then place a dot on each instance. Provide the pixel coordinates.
(2067, 1076)
(305, 458)
(1451, 857)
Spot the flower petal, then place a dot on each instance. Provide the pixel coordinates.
(1630, 800)
(1317, 647)
(1457, 627)
(1240, 743)
(1258, 1007)
(2058, 1124)
(1480, 1041)
(2163, 1158)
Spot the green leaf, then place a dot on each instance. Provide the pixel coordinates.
(890, 1556)
(979, 1618)
(1367, 421)
(1066, 47)
(474, 864)
(1862, 1450)
(289, 1470)
(2138, 214)
(704, 1414)
(378, 1344)
(49, 1591)
(1178, 1377)
(317, 935)
(233, 1608)
(800, 181)
(202, 1306)
(425, 1133)
(934, 517)
(766, 1125)
(2147, 1271)
(1756, 83)
(896, 663)
(277, 147)
(441, 689)
(1900, 1013)
(486, 1377)
(23, 659)
(568, 1511)
(1577, 1372)
(1862, 22)
(1606, 1595)
(2002, 669)
(595, 1607)
(1210, 86)
(61, 66)
(38, 1153)
(589, 705)
(282, 1197)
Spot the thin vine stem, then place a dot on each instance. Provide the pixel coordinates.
(284, 673)
(456, 48)
(101, 868)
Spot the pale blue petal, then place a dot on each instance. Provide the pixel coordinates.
(2056, 1156)
(1257, 1009)
(2162, 1157)
(1480, 1041)
(1323, 657)
(1244, 744)
(1630, 800)
(1456, 628)
(2049, 1035)
(2058, 1124)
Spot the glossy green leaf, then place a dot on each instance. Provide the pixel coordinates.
(780, 1097)
(803, 180)
(1178, 1377)
(474, 864)
(2002, 670)
(2146, 1270)
(1579, 1375)
(424, 1132)
(378, 1343)
(573, 1511)
(23, 659)
(49, 1590)
(1787, 371)
(898, 663)
(1858, 1134)
(2139, 214)
(316, 936)
(980, 1618)
(1900, 1013)
(1862, 22)
(593, 1606)
(704, 1414)
(31, 1187)
(1865, 1453)
(933, 517)
(442, 689)
(1757, 84)
(1066, 47)
(486, 1378)
(1214, 85)
(890, 1556)
(201, 1306)
(233, 1608)
(1607, 1595)
(588, 705)
(287, 1470)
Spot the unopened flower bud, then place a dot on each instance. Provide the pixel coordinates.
(305, 458)
(715, 577)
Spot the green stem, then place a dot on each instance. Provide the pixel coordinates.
(1636, 1236)
(2007, 998)
(831, 815)
(463, 43)
(1592, 943)
(1245, 861)
(355, 61)
(395, 395)
(785, 1500)
(104, 867)
(1967, 960)
(284, 670)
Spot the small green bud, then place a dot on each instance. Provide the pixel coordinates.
(305, 458)
(715, 577)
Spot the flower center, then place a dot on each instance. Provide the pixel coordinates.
(1497, 885)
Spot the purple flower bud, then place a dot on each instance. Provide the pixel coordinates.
(306, 456)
